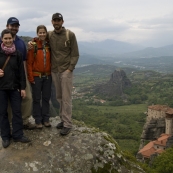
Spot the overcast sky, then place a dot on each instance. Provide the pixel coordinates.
(145, 22)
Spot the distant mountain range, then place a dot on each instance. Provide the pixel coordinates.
(149, 52)
(106, 51)
(107, 47)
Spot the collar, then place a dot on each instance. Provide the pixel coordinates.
(61, 31)
(16, 38)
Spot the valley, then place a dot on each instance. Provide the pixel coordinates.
(122, 118)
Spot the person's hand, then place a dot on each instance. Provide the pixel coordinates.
(1, 73)
(32, 82)
(23, 94)
(30, 45)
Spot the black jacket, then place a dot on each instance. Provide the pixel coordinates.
(14, 74)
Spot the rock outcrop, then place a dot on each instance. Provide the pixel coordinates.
(169, 142)
(84, 150)
(153, 129)
(115, 86)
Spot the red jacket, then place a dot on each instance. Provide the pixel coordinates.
(36, 63)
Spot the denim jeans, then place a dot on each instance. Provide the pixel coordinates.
(17, 124)
(41, 92)
(26, 105)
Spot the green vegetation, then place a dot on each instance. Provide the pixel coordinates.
(124, 123)
(148, 87)
(123, 118)
(163, 163)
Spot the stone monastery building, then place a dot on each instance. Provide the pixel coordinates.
(158, 146)
(162, 111)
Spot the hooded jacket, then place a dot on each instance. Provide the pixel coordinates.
(38, 60)
(63, 57)
(14, 74)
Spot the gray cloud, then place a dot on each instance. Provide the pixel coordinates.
(146, 22)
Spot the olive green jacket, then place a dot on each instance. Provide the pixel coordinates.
(64, 55)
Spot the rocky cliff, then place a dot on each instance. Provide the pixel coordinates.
(115, 86)
(152, 130)
(84, 150)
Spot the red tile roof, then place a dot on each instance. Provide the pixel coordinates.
(159, 107)
(149, 149)
(164, 108)
(169, 111)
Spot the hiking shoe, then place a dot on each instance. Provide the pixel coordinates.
(5, 143)
(29, 126)
(47, 124)
(60, 125)
(23, 139)
(39, 126)
(65, 131)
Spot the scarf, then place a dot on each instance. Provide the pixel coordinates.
(8, 50)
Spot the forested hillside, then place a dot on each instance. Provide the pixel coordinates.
(122, 118)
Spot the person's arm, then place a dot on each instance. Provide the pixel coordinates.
(24, 64)
(74, 52)
(29, 65)
(22, 75)
(24, 52)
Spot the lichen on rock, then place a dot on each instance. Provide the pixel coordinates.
(84, 150)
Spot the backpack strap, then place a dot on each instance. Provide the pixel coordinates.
(36, 48)
(67, 42)
(6, 61)
(50, 34)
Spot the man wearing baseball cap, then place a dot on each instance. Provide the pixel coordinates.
(13, 20)
(64, 57)
(26, 107)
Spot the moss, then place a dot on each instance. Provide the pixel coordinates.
(91, 130)
(129, 156)
(121, 159)
(110, 139)
(79, 123)
(105, 169)
(125, 155)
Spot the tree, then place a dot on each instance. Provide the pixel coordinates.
(163, 163)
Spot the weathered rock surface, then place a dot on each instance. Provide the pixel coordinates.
(84, 150)
(153, 129)
(115, 86)
(169, 142)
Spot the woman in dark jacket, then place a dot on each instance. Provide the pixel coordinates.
(12, 87)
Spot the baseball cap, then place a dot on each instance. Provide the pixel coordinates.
(57, 16)
(12, 20)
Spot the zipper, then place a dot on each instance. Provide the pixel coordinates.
(44, 55)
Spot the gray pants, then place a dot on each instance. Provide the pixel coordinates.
(63, 83)
(26, 107)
